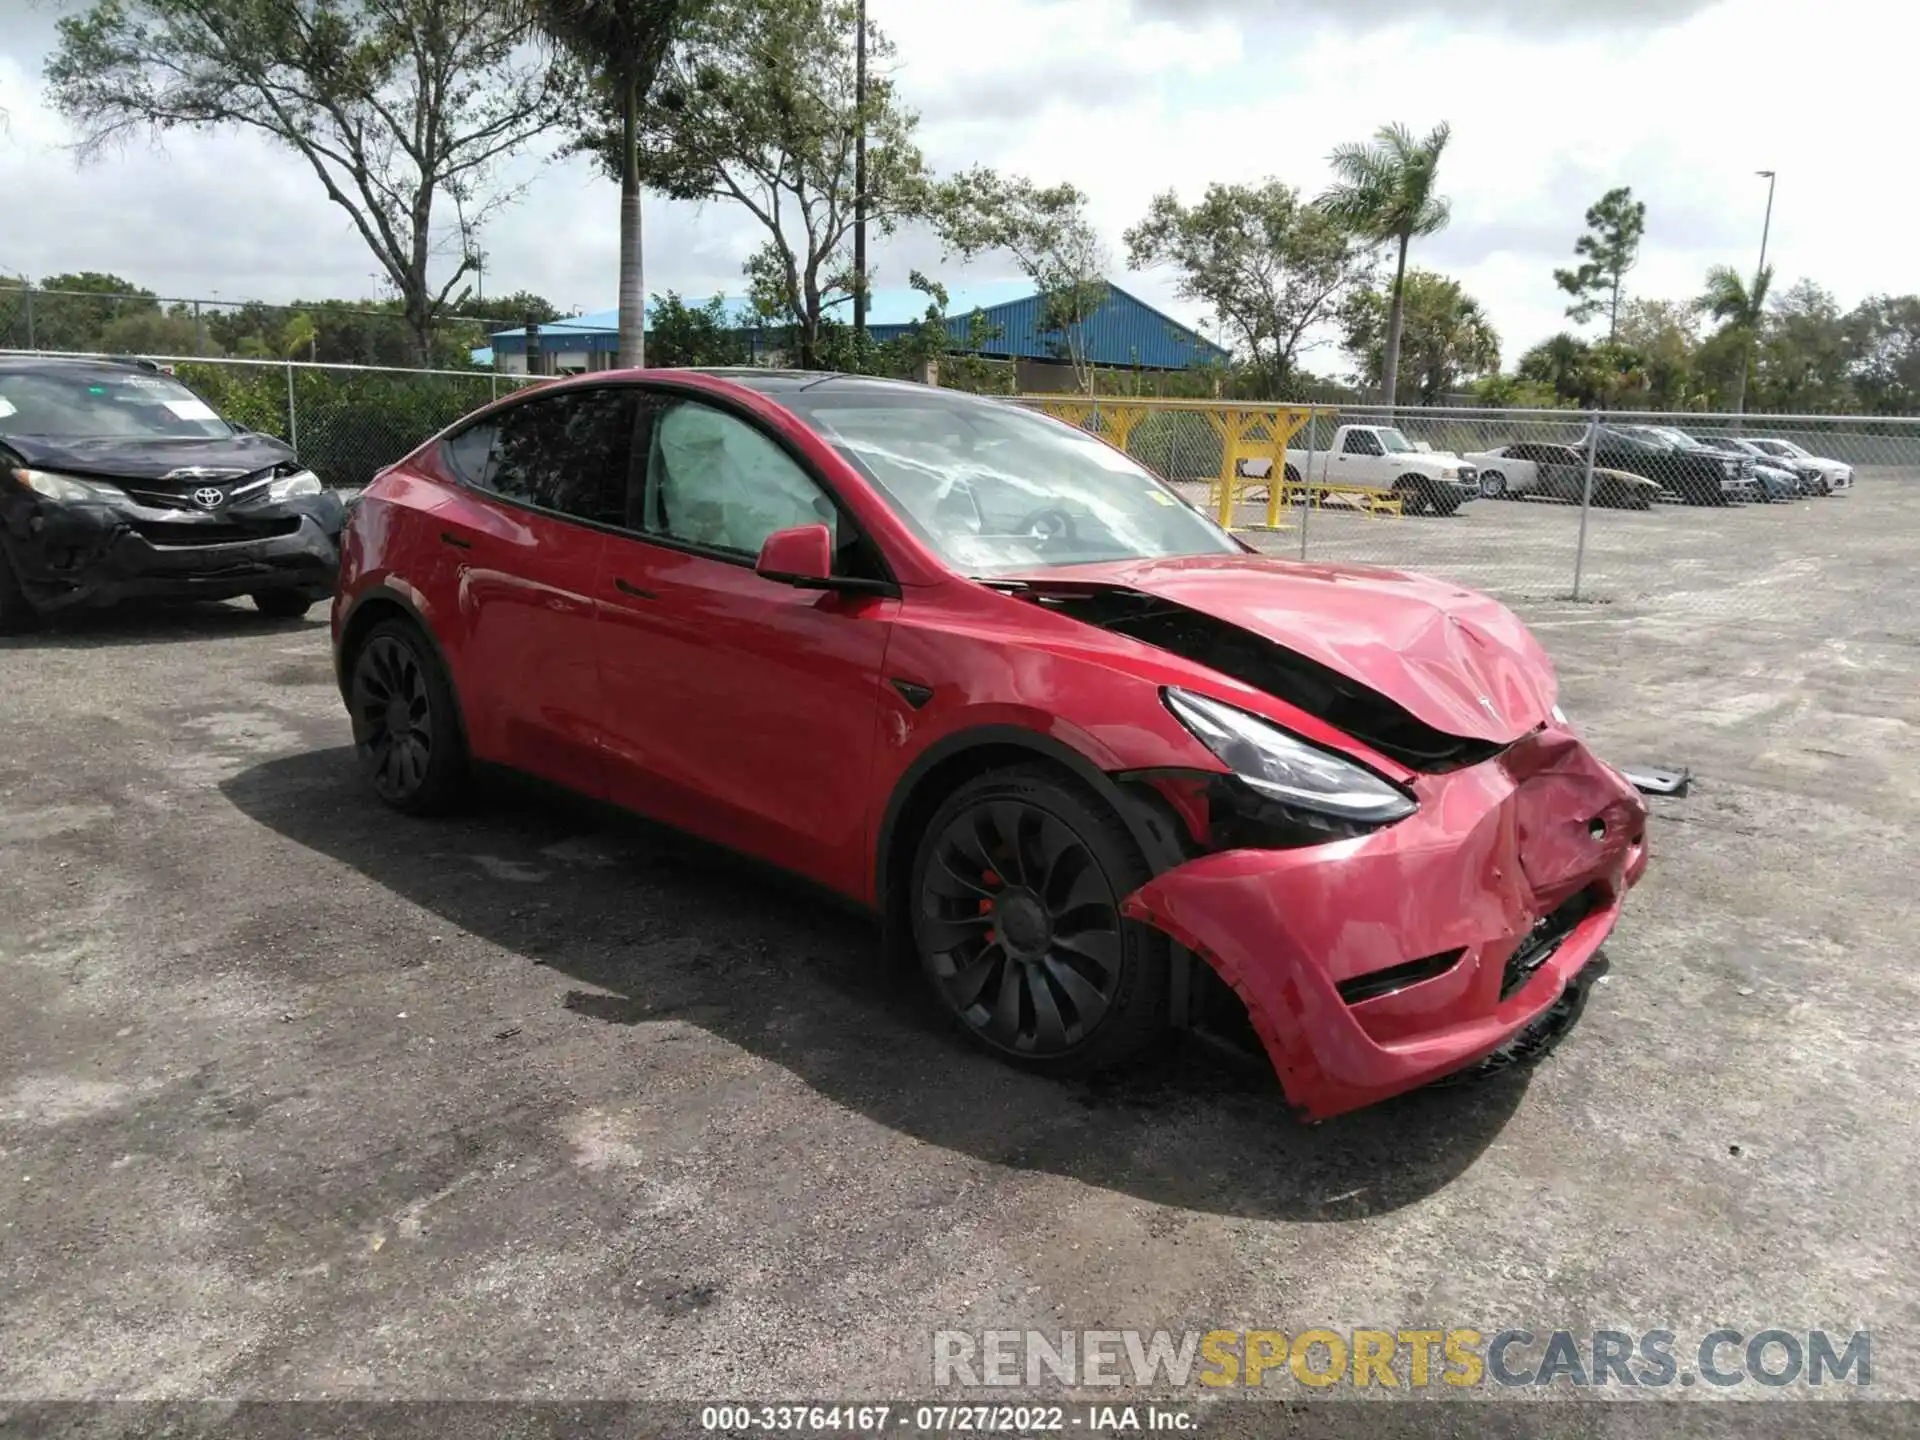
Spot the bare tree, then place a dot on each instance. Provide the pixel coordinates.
(1046, 231)
(392, 104)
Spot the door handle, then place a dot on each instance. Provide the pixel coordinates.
(634, 590)
(455, 541)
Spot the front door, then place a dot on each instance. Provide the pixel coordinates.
(1361, 461)
(737, 707)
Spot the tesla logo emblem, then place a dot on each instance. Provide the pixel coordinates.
(208, 498)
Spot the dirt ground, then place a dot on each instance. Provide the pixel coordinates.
(300, 1099)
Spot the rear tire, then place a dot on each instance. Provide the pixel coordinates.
(406, 728)
(17, 615)
(1015, 895)
(283, 604)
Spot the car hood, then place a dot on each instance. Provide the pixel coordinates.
(148, 458)
(1450, 657)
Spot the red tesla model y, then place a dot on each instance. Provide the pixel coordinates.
(1100, 767)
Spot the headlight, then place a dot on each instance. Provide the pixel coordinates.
(1447, 472)
(301, 482)
(1559, 716)
(70, 489)
(1285, 768)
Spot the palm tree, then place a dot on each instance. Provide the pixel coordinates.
(622, 45)
(1385, 193)
(1739, 309)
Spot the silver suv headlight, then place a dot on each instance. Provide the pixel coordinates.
(1285, 767)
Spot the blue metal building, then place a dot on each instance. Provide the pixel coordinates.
(1124, 333)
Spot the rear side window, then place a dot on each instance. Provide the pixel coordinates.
(571, 453)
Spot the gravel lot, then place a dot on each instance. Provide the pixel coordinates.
(300, 1099)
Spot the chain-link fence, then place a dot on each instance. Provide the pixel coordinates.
(1717, 516)
(1758, 519)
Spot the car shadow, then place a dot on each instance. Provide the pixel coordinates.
(157, 623)
(651, 925)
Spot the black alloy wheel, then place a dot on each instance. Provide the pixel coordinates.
(404, 729)
(1016, 916)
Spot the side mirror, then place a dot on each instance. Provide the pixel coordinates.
(801, 556)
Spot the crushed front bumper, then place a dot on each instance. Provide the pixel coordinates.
(84, 555)
(1545, 832)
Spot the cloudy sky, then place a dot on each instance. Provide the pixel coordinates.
(1551, 103)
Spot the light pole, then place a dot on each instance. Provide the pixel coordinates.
(1746, 351)
(860, 176)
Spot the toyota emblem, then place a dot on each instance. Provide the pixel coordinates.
(208, 498)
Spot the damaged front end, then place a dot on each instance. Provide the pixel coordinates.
(1396, 913)
(76, 541)
(1372, 964)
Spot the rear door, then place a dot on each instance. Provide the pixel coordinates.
(522, 543)
(1549, 464)
(736, 707)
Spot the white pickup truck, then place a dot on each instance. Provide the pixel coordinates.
(1379, 457)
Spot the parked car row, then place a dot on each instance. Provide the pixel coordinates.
(1634, 464)
(964, 665)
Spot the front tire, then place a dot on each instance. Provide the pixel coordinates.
(1016, 892)
(1493, 486)
(406, 730)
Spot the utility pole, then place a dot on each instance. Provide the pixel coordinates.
(860, 176)
(1746, 352)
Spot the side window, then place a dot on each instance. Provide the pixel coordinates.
(716, 482)
(1362, 442)
(571, 453)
